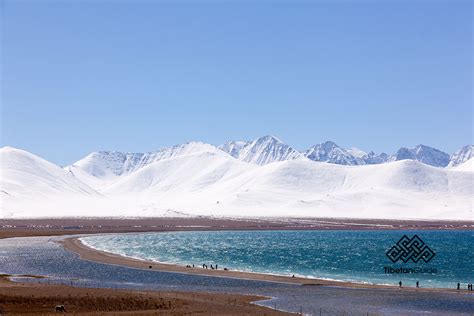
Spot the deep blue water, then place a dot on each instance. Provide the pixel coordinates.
(358, 256)
(44, 256)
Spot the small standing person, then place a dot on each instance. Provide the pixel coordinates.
(417, 284)
(459, 286)
(400, 284)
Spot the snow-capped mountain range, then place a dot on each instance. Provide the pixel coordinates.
(264, 177)
(262, 151)
(270, 149)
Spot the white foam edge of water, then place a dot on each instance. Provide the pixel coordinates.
(118, 253)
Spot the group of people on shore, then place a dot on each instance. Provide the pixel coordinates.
(469, 286)
(205, 266)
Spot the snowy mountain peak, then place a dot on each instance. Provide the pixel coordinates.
(372, 158)
(111, 164)
(330, 152)
(261, 151)
(462, 155)
(269, 138)
(356, 152)
(425, 154)
(233, 148)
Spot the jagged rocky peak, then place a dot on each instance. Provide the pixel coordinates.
(261, 151)
(372, 158)
(234, 147)
(425, 154)
(462, 155)
(332, 153)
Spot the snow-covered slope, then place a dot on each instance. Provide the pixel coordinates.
(101, 169)
(461, 156)
(199, 179)
(466, 166)
(425, 154)
(24, 174)
(262, 151)
(332, 153)
(184, 173)
(403, 189)
(28, 183)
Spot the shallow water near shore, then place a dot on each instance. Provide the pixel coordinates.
(44, 256)
(355, 256)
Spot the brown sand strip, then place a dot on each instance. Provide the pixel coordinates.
(71, 226)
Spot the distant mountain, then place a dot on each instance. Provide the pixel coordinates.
(268, 149)
(262, 151)
(31, 186)
(356, 152)
(102, 167)
(197, 179)
(461, 156)
(24, 174)
(373, 159)
(425, 154)
(332, 153)
(233, 148)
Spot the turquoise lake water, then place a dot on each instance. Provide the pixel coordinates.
(358, 256)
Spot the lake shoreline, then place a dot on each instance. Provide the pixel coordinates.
(74, 244)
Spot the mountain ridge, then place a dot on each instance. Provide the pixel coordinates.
(199, 179)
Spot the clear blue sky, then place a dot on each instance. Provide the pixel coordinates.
(80, 76)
